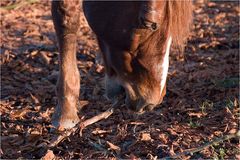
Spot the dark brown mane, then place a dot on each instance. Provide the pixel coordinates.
(176, 20)
(179, 14)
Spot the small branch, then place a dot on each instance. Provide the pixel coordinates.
(58, 138)
(192, 151)
(104, 115)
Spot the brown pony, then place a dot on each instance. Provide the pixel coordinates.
(135, 39)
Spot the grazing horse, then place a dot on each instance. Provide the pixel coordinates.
(135, 39)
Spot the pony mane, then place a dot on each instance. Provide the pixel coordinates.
(179, 16)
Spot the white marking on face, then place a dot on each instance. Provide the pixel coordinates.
(165, 64)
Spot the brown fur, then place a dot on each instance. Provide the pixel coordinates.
(132, 36)
(132, 49)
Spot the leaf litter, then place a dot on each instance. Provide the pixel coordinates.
(202, 93)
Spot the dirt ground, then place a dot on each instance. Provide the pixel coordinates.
(202, 101)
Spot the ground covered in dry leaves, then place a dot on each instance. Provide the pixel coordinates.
(201, 103)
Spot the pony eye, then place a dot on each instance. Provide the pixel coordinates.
(154, 26)
(148, 24)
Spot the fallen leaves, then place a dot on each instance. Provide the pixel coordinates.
(201, 102)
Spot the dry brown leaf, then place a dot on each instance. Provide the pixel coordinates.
(172, 132)
(113, 146)
(172, 151)
(99, 131)
(238, 156)
(46, 114)
(34, 53)
(45, 58)
(49, 155)
(146, 137)
(19, 113)
(1, 152)
(99, 68)
(236, 102)
(133, 157)
(163, 137)
(198, 114)
(35, 100)
(233, 131)
(136, 123)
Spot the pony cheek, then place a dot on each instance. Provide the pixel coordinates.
(127, 58)
(122, 64)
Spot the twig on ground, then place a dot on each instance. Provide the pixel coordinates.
(103, 115)
(194, 150)
(57, 139)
